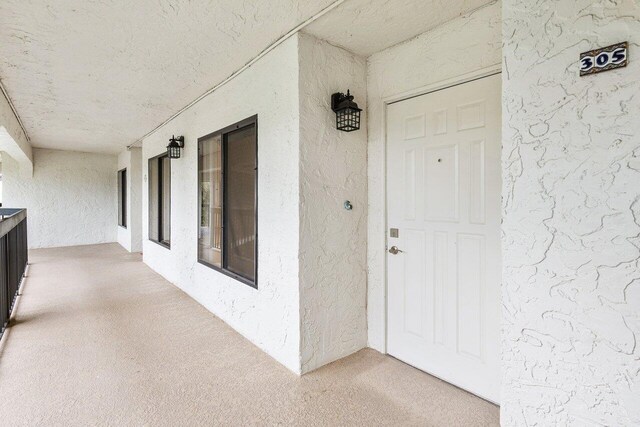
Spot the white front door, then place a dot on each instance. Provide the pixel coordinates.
(443, 204)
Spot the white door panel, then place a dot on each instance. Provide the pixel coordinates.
(443, 195)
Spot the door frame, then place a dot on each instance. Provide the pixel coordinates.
(403, 96)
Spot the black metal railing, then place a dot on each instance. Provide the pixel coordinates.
(13, 259)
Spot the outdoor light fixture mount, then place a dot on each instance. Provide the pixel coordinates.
(175, 147)
(347, 111)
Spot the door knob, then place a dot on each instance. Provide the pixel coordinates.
(394, 250)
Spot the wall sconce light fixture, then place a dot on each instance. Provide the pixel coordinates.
(347, 112)
(175, 146)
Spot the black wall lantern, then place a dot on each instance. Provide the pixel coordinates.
(347, 112)
(175, 146)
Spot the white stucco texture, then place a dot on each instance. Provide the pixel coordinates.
(13, 140)
(309, 308)
(70, 200)
(455, 49)
(571, 216)
(130, 237)
(333, 241)
(365, 27)
(268, 316)
(116, 69)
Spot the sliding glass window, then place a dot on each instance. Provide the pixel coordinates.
(227, 189)
(159, 173)
(122, 198)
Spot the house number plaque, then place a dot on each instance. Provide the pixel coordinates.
(604, 59)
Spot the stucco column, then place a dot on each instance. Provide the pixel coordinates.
(571, 216)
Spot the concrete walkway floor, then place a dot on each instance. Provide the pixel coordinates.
(100, 339)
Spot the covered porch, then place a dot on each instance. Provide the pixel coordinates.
(304, 212)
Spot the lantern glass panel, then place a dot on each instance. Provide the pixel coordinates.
(173, 151)
(348, 119)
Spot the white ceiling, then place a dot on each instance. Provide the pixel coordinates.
(368, 26)
(96, 75)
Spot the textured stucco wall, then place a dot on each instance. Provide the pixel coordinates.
(13, 140)
(268, 316)
(135, 199)
(131, 237)
(571, 216)
(365, 27)
(71, 198)
(457, 48)
(312, 252)
(124, 234)
(333, 168)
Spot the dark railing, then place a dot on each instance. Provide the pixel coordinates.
(13, 259)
